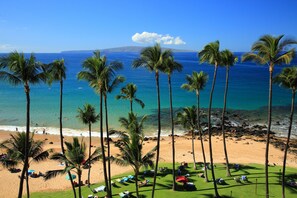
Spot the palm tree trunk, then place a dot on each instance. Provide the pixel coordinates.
(102, 145)
(159, 133)
(172, 134)
(201, 139)
(108, 145)
(21, 182)
(61, 135)
(27, 184)
(79, 183)
(228, 173)
(25, 167)
(288, 141)
(209, 132)
(131, 107)
(90, 146)
(193, 149)
(136, 182)
(268, 131)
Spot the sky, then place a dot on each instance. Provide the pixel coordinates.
(59, 25)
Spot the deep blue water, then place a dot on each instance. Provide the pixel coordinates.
(248, 90)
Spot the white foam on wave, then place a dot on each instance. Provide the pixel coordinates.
(50, 130)
(76, 132)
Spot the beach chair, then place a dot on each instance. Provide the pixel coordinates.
(124, 194)
(190, 186)
(143, 183)
(125, 179)
(244, 178)
(236, 166)
(220, 181)
(131, 177)
(120, 180)
(237, 179)
(99, 189)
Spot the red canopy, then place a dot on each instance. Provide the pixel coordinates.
(182, 179)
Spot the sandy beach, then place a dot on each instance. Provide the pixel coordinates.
(244, 150)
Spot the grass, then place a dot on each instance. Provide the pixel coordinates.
(255, 187)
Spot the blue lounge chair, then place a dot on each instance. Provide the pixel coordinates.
(99, 189)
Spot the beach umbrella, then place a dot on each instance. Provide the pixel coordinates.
(182, 179)
(30, 172)
(72, 176)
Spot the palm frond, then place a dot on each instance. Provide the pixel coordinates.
(53, 173)
(140, 102)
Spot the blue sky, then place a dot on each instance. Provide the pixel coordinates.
(57, 25)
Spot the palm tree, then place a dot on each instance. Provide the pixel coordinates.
(15, 149)
(110, 83)
(94, 72)
(211, 54)
(129, 93)
(188, 119)
(228, 60)
(152, 58)
(196, 83)
(57, 72)
(272, 51)
(287, 79)
(75, 157)
(170, 66)
(23, 71)
(131, 146)
(88, 116)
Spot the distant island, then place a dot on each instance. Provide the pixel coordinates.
(123, 49)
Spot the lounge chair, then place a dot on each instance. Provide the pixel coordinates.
(244, 178)
(189, 186)
(220, 181)
(237, 179)
(236, 166)
(131, 177)
(124, 194)
(99, 189)
(143, 183)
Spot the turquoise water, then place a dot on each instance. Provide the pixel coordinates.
(248, 90)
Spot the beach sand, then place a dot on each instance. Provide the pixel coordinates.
(244, 150)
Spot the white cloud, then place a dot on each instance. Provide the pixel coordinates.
(152, 37)
(5, 47)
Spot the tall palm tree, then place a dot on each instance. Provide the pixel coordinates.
(110, 83)
(15, 148)
(188, 119)
(197, 82)
(152, 58)
(87, 115)
(94, 71)
(129, 93)
(287, 79)
(169, 67)
(211, 54)
(131, 146)
(20, 70)
(228, 60)
(57, 72)
(75, 156)
(272, 51)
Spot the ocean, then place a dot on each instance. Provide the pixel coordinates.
(248, 91)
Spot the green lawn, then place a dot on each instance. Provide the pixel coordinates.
(254, 172)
